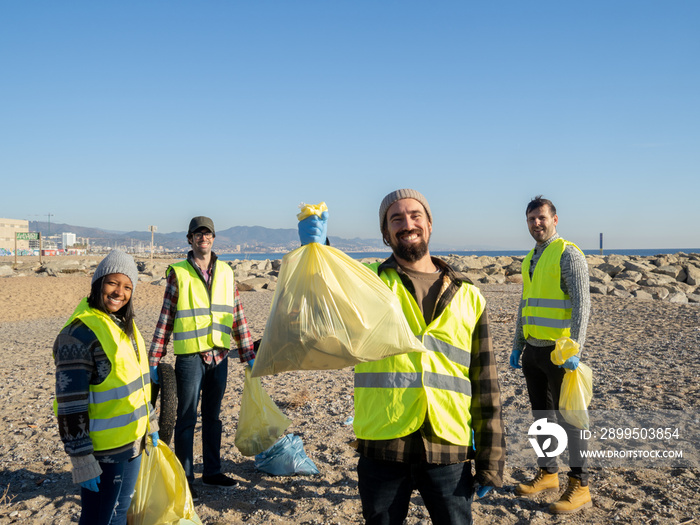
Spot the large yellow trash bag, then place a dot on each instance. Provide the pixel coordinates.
(260, 421)
(329, 311)
(162, 496)
(577, 386)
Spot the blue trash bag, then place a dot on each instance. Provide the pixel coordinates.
(286, 458)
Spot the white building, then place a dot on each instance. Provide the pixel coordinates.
(68, 239)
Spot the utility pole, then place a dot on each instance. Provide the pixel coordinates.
(153, 229)
(48, 215)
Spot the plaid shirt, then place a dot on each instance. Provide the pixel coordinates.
(487, 423)
(164, 328)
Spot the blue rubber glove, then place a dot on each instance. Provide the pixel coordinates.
(91, 484)
(251, 363)
(482, 490)
(154, 437)
(571, 363)
(313, 229)
(154, 374)
(515, 358)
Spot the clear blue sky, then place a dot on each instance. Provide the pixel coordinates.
(123, 114)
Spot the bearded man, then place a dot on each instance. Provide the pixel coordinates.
(421, 418)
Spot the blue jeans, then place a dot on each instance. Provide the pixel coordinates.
(192, 377)
(109, 505)
(386, 487)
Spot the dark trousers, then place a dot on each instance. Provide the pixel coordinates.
(192, 377)
(544, 380)
(109, 505)
(386, 487)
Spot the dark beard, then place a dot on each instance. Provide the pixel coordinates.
(411, 253)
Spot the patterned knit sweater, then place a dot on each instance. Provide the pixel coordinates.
(81, 362)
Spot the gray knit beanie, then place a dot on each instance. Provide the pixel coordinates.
(117, 262)
(397, 196)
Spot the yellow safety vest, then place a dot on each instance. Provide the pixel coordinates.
(394, 395)
(546, 309)
(202, 322)
(118, 408)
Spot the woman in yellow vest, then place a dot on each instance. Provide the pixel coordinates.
(103, 391)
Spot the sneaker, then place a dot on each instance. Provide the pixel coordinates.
(576, 497)
(193, 493)
(542, 482)
(219, 480)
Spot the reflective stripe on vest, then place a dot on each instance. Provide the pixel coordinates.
(545, 308)
(118, 407)
(450, 351)
(117, 422)
(545, 322)
(393, 396)
(119, 392)
(546, 303)
(202, 323)
(413, 380)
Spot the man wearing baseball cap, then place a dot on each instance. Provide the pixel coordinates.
(422, 418)
(201, 310)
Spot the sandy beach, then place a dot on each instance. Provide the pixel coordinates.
(643, 354)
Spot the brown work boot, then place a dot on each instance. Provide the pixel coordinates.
(542, 482)
(575, 497)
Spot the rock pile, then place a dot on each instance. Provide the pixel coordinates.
(256, 275)
(674, 278)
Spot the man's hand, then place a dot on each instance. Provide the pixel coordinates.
(515, 358)
(571, 363)
(91, 484)
(154, 374)
(251, 363)
(313, 229)
(154, 438)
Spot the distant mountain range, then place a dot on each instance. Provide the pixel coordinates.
(245, 238)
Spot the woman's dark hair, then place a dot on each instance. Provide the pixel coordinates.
(125, 313)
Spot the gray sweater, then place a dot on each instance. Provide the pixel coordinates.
(574, 283)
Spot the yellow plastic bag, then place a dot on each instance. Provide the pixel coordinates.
(162, 496)
(260, 421)
(577, 386)
(307, 210)
(330, 311)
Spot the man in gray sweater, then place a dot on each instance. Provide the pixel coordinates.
(555, 303)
